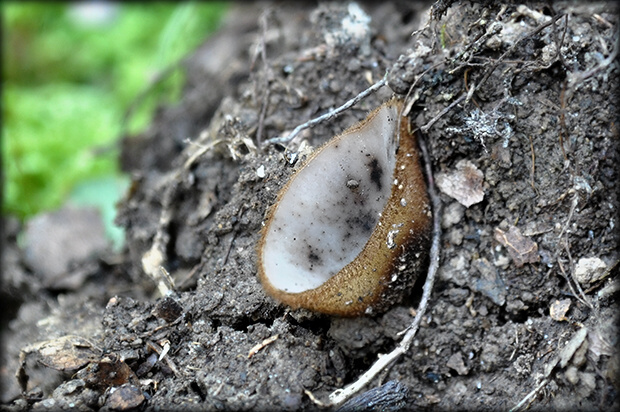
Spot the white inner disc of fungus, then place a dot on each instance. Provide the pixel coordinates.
(332, 205)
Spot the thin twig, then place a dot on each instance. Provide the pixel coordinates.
(256, 348)
(572, 82)
(153, 260)
(169, 362)
(261, 117)
(199, 151)
(562, 119)
(529, 395)
(571, 212)
(574, 79)
(514, 46)
(227, 255)
(516, 344)
(428, 125)
(470, 91)
(409, 102)
(331, 114)
(314, 399)
(561, 41)
(570, 285)
(573, 276)
(341, 395)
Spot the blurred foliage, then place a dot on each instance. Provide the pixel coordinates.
(70, 71)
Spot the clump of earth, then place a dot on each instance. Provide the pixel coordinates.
(517, 105)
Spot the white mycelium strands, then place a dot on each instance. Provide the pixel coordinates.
(343, 233)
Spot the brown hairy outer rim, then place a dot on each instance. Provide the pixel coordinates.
(377, 277)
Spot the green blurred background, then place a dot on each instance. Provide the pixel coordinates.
(70, 72)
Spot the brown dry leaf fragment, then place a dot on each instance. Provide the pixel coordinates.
(168, 309)
(110, 371)
(125, 398)
(558, 309)
(464, 184)
(67, 353)
(521, 249)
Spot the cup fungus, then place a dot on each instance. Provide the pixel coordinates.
(350, 230)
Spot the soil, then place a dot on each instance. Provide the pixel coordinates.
(518, 107)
